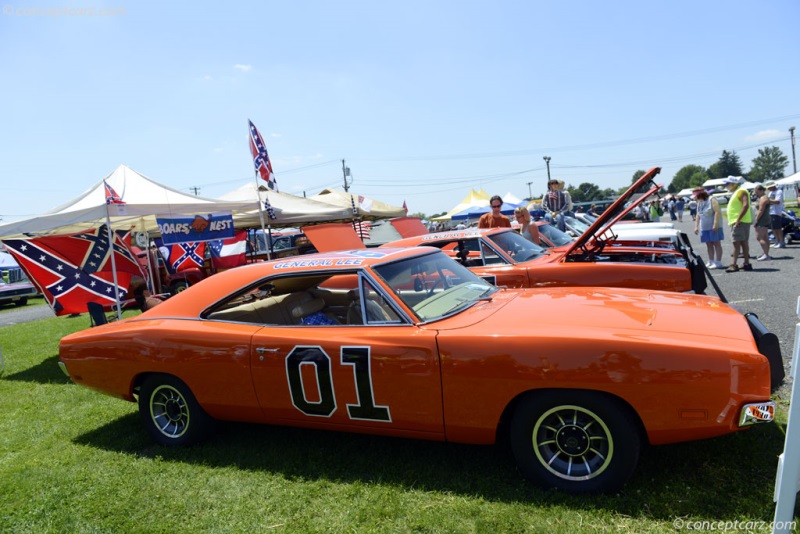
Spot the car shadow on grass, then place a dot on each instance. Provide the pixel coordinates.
(725, 478)
(45, 372)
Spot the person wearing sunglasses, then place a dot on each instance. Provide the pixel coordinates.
(494, 219)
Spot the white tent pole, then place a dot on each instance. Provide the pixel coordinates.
(150, 267)
(261, 216)
(113, 263)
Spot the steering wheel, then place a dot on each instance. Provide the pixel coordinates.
(444, 280)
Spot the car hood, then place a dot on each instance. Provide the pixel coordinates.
(591, 312)
(595, 237)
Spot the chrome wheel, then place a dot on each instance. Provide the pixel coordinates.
(573, 443)
(578, 441)
(169, 411)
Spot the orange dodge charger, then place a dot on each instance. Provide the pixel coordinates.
(577, 378)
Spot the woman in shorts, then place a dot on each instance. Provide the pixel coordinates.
(708, 224)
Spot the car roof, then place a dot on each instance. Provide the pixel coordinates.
(448, 235)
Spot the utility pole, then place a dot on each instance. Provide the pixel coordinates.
(530, 195)
(345, 174)
(794, 161)
(194, 190)
(547, 160)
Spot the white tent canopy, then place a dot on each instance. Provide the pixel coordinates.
(368, 209)
(290, 210)
(793, 179)
(143, 200)
(510, 198)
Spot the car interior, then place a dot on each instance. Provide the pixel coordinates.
(307, 300)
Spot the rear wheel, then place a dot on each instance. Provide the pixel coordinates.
(170, 413)
(576, 441)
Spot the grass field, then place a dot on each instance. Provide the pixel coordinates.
(72, 460)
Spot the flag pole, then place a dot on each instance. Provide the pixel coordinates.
(113, 263)
(261, 216)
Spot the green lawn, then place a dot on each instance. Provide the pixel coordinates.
(72, 460)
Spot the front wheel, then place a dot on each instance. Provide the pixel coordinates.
(576, 441)
(170, 413)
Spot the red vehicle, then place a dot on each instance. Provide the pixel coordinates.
(577, 396)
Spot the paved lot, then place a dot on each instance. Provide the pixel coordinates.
(24, 314)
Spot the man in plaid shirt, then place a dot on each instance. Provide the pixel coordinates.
(555, 204)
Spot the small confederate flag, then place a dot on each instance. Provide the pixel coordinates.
(111, 196)
(227, 253)
(185, 256)
(261, 158)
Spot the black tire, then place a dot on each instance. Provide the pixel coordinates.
(577, 441)
(21, 302)
(170, 413)
(178, 286)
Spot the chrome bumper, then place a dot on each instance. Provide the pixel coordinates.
(63, 368)
(761, 412)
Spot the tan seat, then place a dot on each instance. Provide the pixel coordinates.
(306, 308)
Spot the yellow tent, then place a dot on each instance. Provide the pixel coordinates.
(473, 199)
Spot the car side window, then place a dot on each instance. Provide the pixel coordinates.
(371, 307)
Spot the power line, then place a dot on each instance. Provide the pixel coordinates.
(603, 144)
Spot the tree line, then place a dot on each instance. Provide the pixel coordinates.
(770, 164)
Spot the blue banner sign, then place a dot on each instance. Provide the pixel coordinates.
(191, 228)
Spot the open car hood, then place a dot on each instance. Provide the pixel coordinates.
(330, 237)
(600, 232)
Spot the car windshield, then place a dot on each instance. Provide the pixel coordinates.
(556, 236)
(576, 225)
(516, 246)
(433, 285)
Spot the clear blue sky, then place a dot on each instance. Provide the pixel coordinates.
(424, 99)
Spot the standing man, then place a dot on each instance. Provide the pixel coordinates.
(740, 218)
(567, 198)
(494, 219)
(776, 208)
(679, 205)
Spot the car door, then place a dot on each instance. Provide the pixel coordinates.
(382, 378)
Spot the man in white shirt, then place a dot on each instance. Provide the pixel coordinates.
(776, 208)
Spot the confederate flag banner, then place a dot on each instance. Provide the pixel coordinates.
(71, 270)
(261, 158)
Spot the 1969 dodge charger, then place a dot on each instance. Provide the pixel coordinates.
(578, 378)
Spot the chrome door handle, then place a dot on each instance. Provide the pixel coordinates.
(261, 351)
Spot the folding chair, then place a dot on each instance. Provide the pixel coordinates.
(96, 313)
